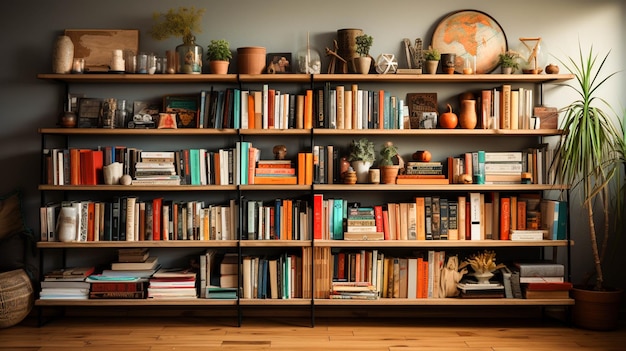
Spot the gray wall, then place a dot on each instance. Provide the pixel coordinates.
(30, 28)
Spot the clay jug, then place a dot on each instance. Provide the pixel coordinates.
(467, 117)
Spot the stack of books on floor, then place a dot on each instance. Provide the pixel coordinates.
(156, 168)
(474, 290)
(543, 280)
(353, 291)
(172, 283)
(68, 283)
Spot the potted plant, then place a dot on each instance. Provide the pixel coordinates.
(587, 158)
(182, 22)
(219, 55)
(361, 158)
(363, 62)
(508, 61)
(431, 57)
(388, 169)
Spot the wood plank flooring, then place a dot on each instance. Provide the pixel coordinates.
(389, 334)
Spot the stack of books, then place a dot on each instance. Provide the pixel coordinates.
(543, 280)
(68, 283)
(130, 270)
(475, 290)
(361, 224)
(219, 293)
(229, 271)
(423, 173)
(105, 287)
(353, 291)
(275, 172)
(503, 167)
(156, 168)
(173, 283)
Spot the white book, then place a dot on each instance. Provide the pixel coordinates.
(475, 217)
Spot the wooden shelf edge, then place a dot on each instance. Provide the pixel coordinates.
(102, 187)
(135, 302)
(447, 302)
(267, 302)
(123, 244)
(126, 131)
(275, 243)
(438, 187)
(440, 243)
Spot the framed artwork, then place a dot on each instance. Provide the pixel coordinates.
(96, 45)
(418, 104)
(89, 110)
(279, 63)
(186, 108)
(471, 35)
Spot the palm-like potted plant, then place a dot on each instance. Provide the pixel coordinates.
(361, 158)
(508, 61)
(432, 57)
(363, 62)
(586, 158)
(219, 55)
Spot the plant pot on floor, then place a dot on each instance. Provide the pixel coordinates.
(596, 310)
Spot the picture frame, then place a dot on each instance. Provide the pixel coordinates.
(89, 111)
(144, 108)
(279, 63)
(96, 45)
(186, 108)
(418, 104)
(72, 101)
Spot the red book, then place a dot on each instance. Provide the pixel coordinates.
(156, 218)
(550, 286)
(378, 217)
(505, 218)
(91, 213)
(318, 208)
(271, 93)
(386, 224)
(468, 221)
(341, 266)
(251, 124)
(116, 286)
(91, 162)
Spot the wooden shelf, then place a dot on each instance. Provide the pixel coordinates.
(440, 243)
(445, 302)
(268, 302)
(129, 244)
(135, 302)
(140, 78)
(102, 187)
(440, 132)
(124, 131)
(275, 243)
(444, 78)
(438, 187)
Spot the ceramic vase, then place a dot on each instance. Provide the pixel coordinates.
(63, 55)
(66, 224)
(362, 64)
(362, 171)
(431, 67)
(251, 60)
(467, 117)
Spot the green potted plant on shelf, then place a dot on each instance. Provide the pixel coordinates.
(508, 61)
(363, 62)
(219, 55)
(182, 22)
(388, 168)
(361, 157)
(587, 158)
(432, 57)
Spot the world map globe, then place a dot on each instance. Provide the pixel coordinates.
(473, 36)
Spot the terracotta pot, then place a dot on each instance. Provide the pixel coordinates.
(218, 67)
(467, 117)
(251, 60)
(596, 310)
(389, 174)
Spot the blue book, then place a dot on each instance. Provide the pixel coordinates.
(478, 166)
(278, 204)
(338, 219)
(237, 109)
(561, 219)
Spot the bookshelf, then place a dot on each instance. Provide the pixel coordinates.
(303, 140)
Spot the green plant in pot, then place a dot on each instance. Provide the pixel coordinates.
(219, 55)
(361, 157)
(388, 168)
(431, 58)
(587, 158)
(363, 62)
(182, 22)
(508, 61)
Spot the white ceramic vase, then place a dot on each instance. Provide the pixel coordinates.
(62, 55)
(362, 171)
(66, 224)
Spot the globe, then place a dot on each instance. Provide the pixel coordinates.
(474, 37)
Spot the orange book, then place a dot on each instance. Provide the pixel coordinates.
(386, 224)
(252, 155)
(381, 109)
(91, 211)
(258, 109)
(217, 169)
(276, 180)
(505, 218)
(289, 219)
(521, 215)
(308, 109)
(308, 178)
(420, 218)
(74, 166)
(301, 168)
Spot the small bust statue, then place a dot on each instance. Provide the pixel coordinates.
(450, 277)
(280, 151)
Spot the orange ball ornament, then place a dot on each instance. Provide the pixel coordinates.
(448, 120)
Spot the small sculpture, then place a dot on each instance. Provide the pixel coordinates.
(334, 56)
(450, 277)
(280, 151)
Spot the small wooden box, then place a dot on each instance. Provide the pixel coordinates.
(548, 117)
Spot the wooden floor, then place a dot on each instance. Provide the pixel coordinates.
(191, 334)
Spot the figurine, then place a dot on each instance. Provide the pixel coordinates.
(450, 277)
(280, 151)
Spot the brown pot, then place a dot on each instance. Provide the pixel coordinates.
(388, 174)
(596, 310)
(468, 117)
(251, 60)
(218, 67)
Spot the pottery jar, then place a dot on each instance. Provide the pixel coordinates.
(62, 55)
(467, 117)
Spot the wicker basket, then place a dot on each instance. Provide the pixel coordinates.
(16, 297)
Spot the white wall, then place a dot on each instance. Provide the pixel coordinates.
(29, 28)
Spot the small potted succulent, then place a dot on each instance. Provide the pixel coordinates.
(508, 61)
(388, 169)
(361, 158)
(219, 55)
(363, 62)
(432, 57)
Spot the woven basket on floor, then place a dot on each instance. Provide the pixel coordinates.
(16, 297)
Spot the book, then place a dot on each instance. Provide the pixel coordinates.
(539, 269)
(546, 294)
(150, 263)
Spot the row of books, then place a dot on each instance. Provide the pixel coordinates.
(278, 277)
(129, 218)
(476, 216)
(281, 219)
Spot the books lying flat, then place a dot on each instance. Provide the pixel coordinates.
(117, 295)
(547, 294)
(420, 181)
(69, 274)
(540, 269)
(542, 279)
(276, 180)
(150, 263)
(520, 235)
(363, 236)
(216, 292)
(174, 273)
